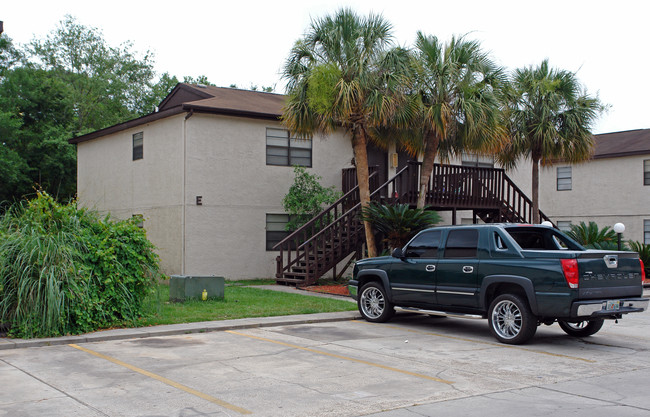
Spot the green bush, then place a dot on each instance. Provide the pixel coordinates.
(591, 237)
(65, 270)
(306, 198)
(644, 253)
(398, 223)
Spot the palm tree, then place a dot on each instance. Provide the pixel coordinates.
(551, 117)
(341, 74)
(457, 107)
(399, 223)
(590, 236)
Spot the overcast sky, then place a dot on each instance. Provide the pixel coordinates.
(246, 42)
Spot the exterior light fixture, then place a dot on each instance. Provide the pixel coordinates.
(619, 228)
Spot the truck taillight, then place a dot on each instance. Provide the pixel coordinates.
(570, 269)
(642, 271)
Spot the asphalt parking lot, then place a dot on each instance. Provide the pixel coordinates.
(411, 366)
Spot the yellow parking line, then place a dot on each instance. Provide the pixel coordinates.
(167, 381)
(464, 339)
(333, 355)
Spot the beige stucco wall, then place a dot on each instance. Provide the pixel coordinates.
(226, 166)
(110, 181)
(605, 191)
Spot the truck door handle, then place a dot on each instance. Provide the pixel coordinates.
(468, 269)
(430, 268)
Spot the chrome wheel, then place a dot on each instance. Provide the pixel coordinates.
(373, 303)
(506, 319)
(581, 328)
(511, 320)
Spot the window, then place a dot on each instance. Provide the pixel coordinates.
(646, 172)
(499, 244)
(424, 245)
(138, 142)
(276, 229)
(563, 178)
(646, 232)
(284, 150)
(462, 244)
(564, 225)
(476, 160)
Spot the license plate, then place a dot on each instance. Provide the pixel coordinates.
(613, 305)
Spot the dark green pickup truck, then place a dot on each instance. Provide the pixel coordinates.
(516, 276)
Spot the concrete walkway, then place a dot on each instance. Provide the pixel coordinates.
(198, 327)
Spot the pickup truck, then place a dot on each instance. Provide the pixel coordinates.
(517, 276)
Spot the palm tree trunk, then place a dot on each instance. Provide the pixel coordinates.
(359, 145)
(430, 151)
(535, 191)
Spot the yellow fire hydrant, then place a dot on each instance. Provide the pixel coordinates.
(204, 295)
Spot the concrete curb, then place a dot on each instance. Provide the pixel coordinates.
(184, 328)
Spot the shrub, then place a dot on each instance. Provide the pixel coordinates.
(64, 270)
(644, 254)
(591, 237)
(398, 223)
(306, 198)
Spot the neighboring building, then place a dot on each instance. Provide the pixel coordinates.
(613, 186)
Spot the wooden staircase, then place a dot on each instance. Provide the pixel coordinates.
(337, 234)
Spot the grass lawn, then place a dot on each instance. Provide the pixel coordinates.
(239, 302)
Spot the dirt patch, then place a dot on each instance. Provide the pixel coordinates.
(329, 289)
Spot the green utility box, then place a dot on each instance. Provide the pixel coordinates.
(183, 287)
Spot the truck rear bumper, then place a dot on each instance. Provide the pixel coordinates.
(599, 308)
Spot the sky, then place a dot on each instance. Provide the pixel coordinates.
(247, 42)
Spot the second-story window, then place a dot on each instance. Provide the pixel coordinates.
(284, 150)
(563, 178)
(138, 146)
(646, 172)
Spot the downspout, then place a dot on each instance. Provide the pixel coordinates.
(183, 208)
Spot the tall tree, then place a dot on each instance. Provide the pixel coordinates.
(337, 78)
(551, 116)
(107, 84)
(457, 106)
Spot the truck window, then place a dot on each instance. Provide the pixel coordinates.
(533, 238)
(462, 243)
(425, 245)
(499, 243)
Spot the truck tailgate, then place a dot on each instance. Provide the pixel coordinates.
(607, 274)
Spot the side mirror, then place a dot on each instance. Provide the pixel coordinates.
(398, 253)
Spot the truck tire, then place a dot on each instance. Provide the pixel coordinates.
(373, 303)
(511, 320)
(582, 328)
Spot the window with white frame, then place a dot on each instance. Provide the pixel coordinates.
(646, 232)
(564, 225)
(563, 178)
(138, 146)
(476, 160)
(276, 229)
(284, 150)
(646, 172)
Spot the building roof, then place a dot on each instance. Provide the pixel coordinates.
(617, 144)
(204, 99)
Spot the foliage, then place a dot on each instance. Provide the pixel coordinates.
(398, 223)
(550, 117)
(343, 73)
(70, 83)
(592, 237)
(306, 198)
(63, 270)
(644, 253)
(456, 103)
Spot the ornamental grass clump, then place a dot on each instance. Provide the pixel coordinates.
(65, 270)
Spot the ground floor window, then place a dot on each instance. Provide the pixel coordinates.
(646, 232)
(276, 229)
